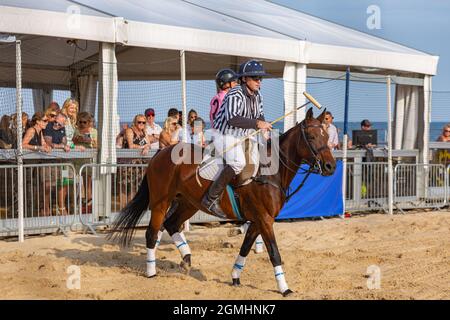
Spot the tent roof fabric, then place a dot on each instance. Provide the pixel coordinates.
(244, 28)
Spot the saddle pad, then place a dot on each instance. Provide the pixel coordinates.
(210, 169)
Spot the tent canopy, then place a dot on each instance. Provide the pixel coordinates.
(152, 32)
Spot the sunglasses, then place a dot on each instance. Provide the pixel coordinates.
(140, 122)
(83, 122)
(52, 115)
(446, 130)
(256, 78)
(174, 123)
(44, 120)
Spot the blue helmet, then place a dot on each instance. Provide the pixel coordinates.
(225, 76)
(252, 68)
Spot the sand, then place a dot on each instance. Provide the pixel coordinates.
(323, 259)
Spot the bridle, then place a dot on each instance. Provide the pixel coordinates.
(314, 164)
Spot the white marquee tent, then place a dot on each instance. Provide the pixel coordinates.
(212, 34)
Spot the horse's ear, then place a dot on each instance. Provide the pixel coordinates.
(309, 114)
(321, 118)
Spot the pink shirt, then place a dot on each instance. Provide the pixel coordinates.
(215, 104)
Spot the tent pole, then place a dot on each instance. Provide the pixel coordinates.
(345, 140)
(389, 141)
(184, 107)
(19, 140)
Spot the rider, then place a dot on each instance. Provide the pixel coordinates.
(241, 112)
(226, 79)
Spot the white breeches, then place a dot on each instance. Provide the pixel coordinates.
(235, 157)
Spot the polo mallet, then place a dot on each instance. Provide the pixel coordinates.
(310, 100)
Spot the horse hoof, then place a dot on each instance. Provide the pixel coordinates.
(236, 282)
(151, 276)
(185, 264)
(287, 292)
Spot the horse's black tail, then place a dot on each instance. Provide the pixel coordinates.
(123, 228)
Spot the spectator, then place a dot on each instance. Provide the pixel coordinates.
(13, 125)
(6, 133)
(85, 134)
(170, 133)
(54, 106)
(55, 133)
(180, 118)
(192, 115)
(445, 136)
(198, 132)
(55, 136)
(120, 136)
(70, 110)
(366, 125)
(34, 138)
(174, 113)
(152, 129)
(225, 80)
(135, 137)
(50, 113)
(333, 140)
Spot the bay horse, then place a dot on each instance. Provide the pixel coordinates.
(173, 195)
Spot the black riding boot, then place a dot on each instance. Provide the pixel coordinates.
(211, 199)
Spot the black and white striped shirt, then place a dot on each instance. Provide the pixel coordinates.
(238, 103)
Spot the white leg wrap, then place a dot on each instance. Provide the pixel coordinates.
(151, 262)
(244, 227)
(158, 240)
(281, 281)
(183, 236)
(238, 267)
(259, 244)
(181, 244)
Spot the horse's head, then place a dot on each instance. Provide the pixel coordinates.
(314, 149)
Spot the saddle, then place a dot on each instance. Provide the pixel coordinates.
(211, 167)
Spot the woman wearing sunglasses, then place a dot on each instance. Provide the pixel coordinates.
(34, 137)
(85, 134)
(136, 137)
(170, 133)
(445, 136)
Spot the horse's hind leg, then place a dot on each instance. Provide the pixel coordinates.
(238, 266)
(173, 224)
(153, 235)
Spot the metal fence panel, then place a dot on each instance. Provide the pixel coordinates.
(367, 186)
(105, 189)
(49, 198)
(420, 186)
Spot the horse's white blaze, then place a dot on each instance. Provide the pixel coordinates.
(238, 267)
(151, 262)
(281, 281)
(181, 244)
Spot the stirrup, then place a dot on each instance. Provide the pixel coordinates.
(213, 203)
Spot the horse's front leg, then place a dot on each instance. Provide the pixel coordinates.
(266, 230)
(238, 266)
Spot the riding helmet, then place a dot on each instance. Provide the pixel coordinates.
(225, 76)
(252, 68)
